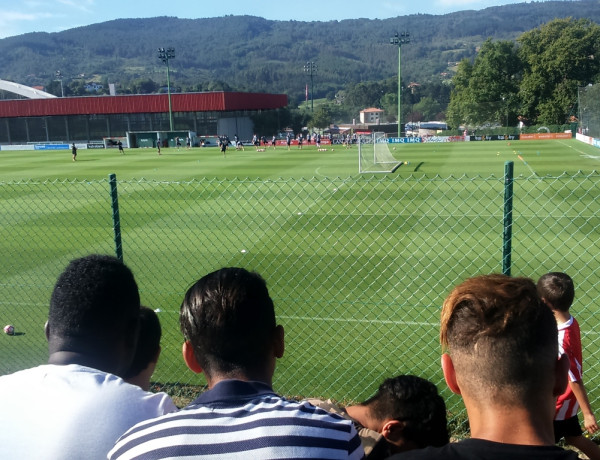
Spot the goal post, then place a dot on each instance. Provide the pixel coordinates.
(374, 154)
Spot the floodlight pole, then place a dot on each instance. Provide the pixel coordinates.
(311, 68)
(59, 78)
(399, 40)
(165, 55)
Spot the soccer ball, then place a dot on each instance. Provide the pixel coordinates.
(9, 329)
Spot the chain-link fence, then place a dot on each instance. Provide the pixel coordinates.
(589, 110)
(358, 268)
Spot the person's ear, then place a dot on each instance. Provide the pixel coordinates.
(190, 358)
(561, 377)
(47, 330)
(279, 341)
(450, 373)
(132, 333)
(393, 432)
(156, 355)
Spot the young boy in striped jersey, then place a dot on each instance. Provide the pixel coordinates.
(228, 321)
(557, 292)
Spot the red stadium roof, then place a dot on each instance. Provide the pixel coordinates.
(150, 103)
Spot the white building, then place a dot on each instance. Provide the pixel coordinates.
(371, 115)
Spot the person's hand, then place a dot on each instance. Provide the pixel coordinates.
(589, 421)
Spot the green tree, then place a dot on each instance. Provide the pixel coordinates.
(144, 86)
(485, 92)
(428, 107)
(389, 103)
(558, 57)
(461, 100)
(75, 88)
(321, 118)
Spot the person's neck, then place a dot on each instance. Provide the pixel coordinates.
(63, 358)
(511, 425)
(215, 377)
(561, 316)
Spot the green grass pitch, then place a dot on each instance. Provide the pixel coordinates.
(357, 265)
(444, 159)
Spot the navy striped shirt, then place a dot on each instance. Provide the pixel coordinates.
(237, 419)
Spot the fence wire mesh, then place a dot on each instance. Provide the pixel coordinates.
(358, 268)
(589, 110)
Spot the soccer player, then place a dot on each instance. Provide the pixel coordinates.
(74, 151)
(557, 292)
(228, 321)
(502, 358)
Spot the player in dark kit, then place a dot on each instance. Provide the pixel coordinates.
(223, 143)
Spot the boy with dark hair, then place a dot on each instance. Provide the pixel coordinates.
(501, 356)
(406, 413)
(147, 351)
(557, 292)
(77, 405)
(228, 321)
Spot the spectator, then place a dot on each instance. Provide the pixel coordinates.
(557, 292)
(147, 351)
(76, 406)
(502, 358)
(406, 413)
(228, 321)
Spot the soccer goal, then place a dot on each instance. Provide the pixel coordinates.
(374, 155)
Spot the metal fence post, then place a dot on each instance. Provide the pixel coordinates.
(508, 210)
(115, 215)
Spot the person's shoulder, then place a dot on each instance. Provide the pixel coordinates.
(23, 377)
(116, 391)
(328, 405)
(475, 449)
(306, 410)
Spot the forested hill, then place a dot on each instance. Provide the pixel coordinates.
(255, 54)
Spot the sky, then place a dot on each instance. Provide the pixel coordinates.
(22, 16)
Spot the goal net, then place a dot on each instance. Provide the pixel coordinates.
(374, 155)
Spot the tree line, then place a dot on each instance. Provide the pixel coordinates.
(470, 66)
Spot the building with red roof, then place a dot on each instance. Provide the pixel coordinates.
(94, 118)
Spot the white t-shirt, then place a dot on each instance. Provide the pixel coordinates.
(70, 412)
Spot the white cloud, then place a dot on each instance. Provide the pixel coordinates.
(82, 5)
(11, 22)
